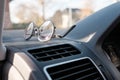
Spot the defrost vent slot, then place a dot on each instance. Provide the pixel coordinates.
(54, 52)
(82, 69)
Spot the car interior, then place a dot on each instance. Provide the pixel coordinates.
(90, 50)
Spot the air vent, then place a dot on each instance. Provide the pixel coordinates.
(76, 70)
(54, 52)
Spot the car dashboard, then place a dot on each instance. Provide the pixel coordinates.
(56, 60)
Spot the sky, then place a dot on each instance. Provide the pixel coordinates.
(55, 5)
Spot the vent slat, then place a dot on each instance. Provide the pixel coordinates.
(54, 52)
(57, 72)
(57, 54)
(50, 50)
(77, 70)
(74, 74)
(87, 76)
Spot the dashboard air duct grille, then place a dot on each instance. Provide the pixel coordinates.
(77, 70)
(54, 52)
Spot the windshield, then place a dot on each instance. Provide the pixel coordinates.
(63, 13)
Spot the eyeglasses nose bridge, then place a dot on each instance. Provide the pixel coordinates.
(36, 30)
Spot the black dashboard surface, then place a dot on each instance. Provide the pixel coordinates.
(84, 53)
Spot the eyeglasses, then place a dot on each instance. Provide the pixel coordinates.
(43, 33)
